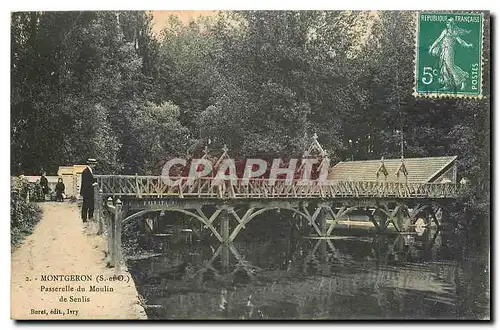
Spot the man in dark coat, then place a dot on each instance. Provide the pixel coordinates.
(87, 190)
(44, 183)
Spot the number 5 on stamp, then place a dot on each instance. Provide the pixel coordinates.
(449, 55)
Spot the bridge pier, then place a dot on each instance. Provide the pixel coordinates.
(111, 240)
(115, 233)
(98, 209)
(383, 222)
(371, 217)
(400, 221)
(322, 221)
(323, 251)
(118, 234)
(224, 256)
(100, 213)
(224, 226)
(438, 220)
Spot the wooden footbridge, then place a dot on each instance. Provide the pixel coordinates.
(225, 207)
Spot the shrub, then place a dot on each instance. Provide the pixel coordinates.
(24, 214)
(32, 192)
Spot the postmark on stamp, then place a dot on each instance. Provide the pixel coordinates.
(449, 55)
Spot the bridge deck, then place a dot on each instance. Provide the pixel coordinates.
(211, 188)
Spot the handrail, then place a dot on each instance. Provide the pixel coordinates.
(207, 187)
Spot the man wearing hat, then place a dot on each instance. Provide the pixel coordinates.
(87, 190)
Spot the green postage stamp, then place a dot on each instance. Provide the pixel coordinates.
(449, 55)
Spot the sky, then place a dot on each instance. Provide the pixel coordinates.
(160, 17)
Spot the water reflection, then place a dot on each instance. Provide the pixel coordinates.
(390, 276)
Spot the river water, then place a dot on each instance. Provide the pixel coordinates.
(356, 275)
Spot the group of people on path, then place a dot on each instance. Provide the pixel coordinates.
(59, 189)
(86, 189)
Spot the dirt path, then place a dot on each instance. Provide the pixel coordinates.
(60, 245)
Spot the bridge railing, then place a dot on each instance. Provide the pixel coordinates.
(205, 187)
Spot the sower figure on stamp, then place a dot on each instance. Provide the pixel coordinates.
(451, 75)
(87, 190)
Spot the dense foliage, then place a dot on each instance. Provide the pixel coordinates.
(24, 214)
(101, 84)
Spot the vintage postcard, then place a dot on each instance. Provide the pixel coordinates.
(242, 165)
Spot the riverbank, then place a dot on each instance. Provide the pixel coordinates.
(62, 245)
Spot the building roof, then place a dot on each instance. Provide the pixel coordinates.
(65, 170)
(419, 169)
(71, 170)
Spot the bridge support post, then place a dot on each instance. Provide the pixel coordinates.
(111, 233)
(111, 240)
(97, 204)
(224, 226)
(438, 220)
(301, 225)
(99, 212)
(224, 233)
(383, 222)
(446, 220)
(322, 250)
(402, 219)
(322, 221)
(115, 233)
(224, 257)
(394, 216)
(371, 216)
(118, 234)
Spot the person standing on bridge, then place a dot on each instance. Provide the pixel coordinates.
(87, 190)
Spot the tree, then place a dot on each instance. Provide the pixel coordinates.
(159, 136)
